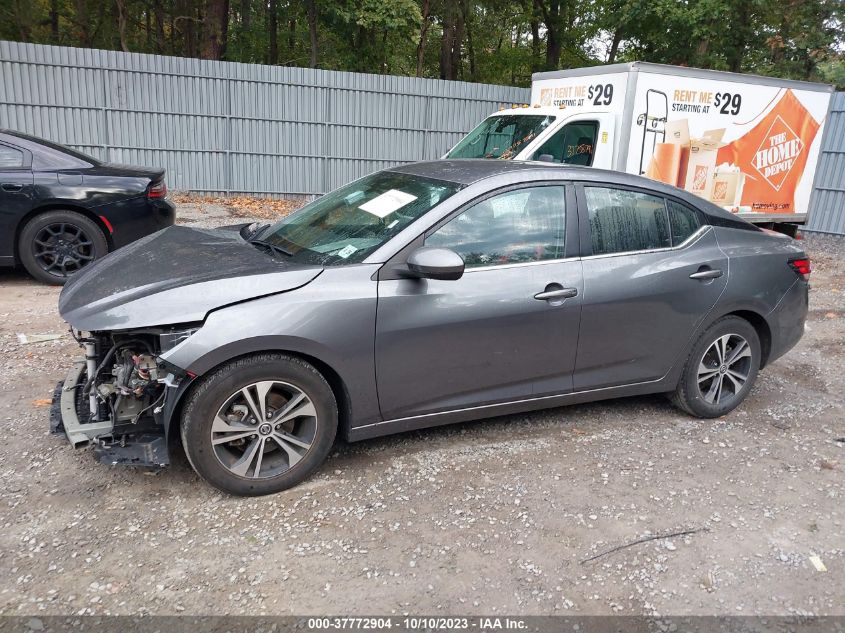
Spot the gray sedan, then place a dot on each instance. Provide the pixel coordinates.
(417, 296)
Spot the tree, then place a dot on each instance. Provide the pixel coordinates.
(498, 41)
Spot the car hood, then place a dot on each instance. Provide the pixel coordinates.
(177, 275)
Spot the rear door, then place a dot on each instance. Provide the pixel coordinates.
(652, 272)
(15, 196)
(507, 330)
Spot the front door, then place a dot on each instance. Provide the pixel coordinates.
(493, 335)
(656, 271)
(15, 196)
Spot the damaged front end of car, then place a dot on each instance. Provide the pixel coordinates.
(118, 397)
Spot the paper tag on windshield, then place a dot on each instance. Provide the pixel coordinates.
(385, 204)
(346, 251)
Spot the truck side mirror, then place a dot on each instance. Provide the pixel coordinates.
(546, 158)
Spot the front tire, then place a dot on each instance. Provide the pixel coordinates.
(720, 370)
(56, 244)
(259, 425)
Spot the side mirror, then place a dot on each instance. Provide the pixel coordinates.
(546, 158)
(436, 263)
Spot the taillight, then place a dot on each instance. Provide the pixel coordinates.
(801, 267)
(157, 190)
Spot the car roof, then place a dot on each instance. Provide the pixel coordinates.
(466, 171)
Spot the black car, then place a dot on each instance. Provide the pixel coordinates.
(61, 209)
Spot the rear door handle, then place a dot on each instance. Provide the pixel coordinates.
(709, 273)
(563, 293)
(11, 187)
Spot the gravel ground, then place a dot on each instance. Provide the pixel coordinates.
(486, 517)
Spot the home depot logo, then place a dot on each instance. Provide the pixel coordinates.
(546, 96)
(699, 179)
(776, 155)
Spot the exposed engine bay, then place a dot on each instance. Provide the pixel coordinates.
(113, 399)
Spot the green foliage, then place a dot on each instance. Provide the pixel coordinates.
(495, 41)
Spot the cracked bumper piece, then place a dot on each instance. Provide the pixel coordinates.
(131, 449)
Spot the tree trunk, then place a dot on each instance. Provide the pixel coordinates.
(554, 32)
(158, 12)
(460, 28)
(54, 21)
(83, 24)
(246, 15)
(614, 46)
(273, 28)
(291, 49)
(536, 40)
(426, 12)
(446, 43)
(465, 16)
(701, 52)
(450, 45)
(121, 24)
(22, 13)
(312, 31)
(216, 29)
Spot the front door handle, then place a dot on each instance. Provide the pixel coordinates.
(11, 187)
(563, 293)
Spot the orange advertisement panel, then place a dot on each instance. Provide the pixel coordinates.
(751, 149)
(773, 155)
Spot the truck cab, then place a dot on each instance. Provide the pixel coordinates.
(543, 133)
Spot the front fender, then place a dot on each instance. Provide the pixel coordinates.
(331, 320)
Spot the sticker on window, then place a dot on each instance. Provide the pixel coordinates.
(388, 202)
(346, 251)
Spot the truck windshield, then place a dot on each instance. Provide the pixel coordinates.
(346, 225)
(501, 136)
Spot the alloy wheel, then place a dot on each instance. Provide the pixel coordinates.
(62, 248)
(264, 429)
(724, 369)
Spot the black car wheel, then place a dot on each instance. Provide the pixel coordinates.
(259, 425)
(720, 370)
(56, 244)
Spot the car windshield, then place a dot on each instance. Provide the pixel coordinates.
(501, 136)
(346, 225)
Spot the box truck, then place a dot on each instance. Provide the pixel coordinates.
(746, 143)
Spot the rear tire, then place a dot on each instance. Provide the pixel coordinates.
(259, 425)
(56, 244)
(721, 369)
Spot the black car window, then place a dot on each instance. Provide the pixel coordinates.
(523, 225)
(49, 155)
(10, 158)
(683, 221)
(574, 144)
(622, 220)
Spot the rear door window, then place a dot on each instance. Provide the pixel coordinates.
(623, 221)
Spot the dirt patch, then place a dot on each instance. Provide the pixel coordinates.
(240, 206)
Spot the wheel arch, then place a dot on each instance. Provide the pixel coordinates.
(59, 206)
(338, 386)
(763, 329)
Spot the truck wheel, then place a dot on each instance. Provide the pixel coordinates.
(56, 244)
(259, 425)
(720, 370)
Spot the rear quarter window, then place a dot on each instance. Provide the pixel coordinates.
(10, 158)
(683, 221)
